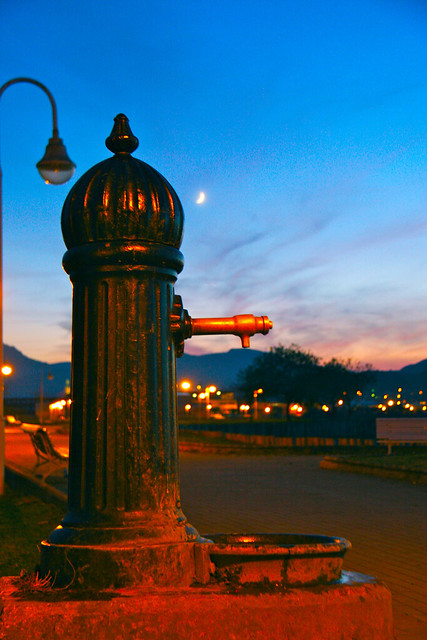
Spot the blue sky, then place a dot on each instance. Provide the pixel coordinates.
(303, 122)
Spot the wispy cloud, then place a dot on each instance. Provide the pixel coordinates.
(66, 325)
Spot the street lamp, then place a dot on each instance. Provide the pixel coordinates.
(55, 168)
(256, 393)
(210, 389)
(6, 371)
(185, 385)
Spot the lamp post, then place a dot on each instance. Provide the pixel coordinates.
(210, 389)
(6, 371)
(55, 168)
(257, 392)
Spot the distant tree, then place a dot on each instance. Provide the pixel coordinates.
(284, 373)
(342, 380)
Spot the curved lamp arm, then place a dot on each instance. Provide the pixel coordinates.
(38, 84)
(55, 167)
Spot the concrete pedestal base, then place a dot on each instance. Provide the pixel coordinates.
(355, 608)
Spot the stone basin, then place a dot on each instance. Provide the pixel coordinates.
(276, 560)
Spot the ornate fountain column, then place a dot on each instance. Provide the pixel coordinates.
(122, 223)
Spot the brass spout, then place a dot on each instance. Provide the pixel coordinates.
(244, 326)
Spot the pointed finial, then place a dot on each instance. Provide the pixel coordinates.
(121, 138)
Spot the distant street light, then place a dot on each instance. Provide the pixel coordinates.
(210, 389)
(200, 395)
(6, 370)
(55, 168)
(256, 393)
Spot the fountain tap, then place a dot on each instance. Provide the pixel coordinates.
(244, 326)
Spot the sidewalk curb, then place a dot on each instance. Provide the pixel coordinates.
(20, 479)
(227, 449)
(337, 464)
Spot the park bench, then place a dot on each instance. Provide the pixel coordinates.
(397, 431)
(48, 455)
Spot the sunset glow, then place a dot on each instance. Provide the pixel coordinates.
(306, 134)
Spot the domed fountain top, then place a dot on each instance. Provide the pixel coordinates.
(122, 198)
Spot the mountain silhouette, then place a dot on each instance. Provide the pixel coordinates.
(415, 369)
(412, 379)
(220, 369)
(215, 368)
(26, 377)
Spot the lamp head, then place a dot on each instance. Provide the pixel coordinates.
(56, 167)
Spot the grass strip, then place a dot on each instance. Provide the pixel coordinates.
(24, 522)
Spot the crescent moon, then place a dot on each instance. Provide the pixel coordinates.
(201, 198)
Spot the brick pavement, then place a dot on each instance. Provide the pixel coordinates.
(385, 519)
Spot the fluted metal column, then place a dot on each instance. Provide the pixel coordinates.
(123, 440)
(122, 223)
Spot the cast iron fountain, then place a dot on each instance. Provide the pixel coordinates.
(122, 223)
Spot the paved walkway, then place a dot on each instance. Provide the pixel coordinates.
(386, 520)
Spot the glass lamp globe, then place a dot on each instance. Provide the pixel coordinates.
(56, 167)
